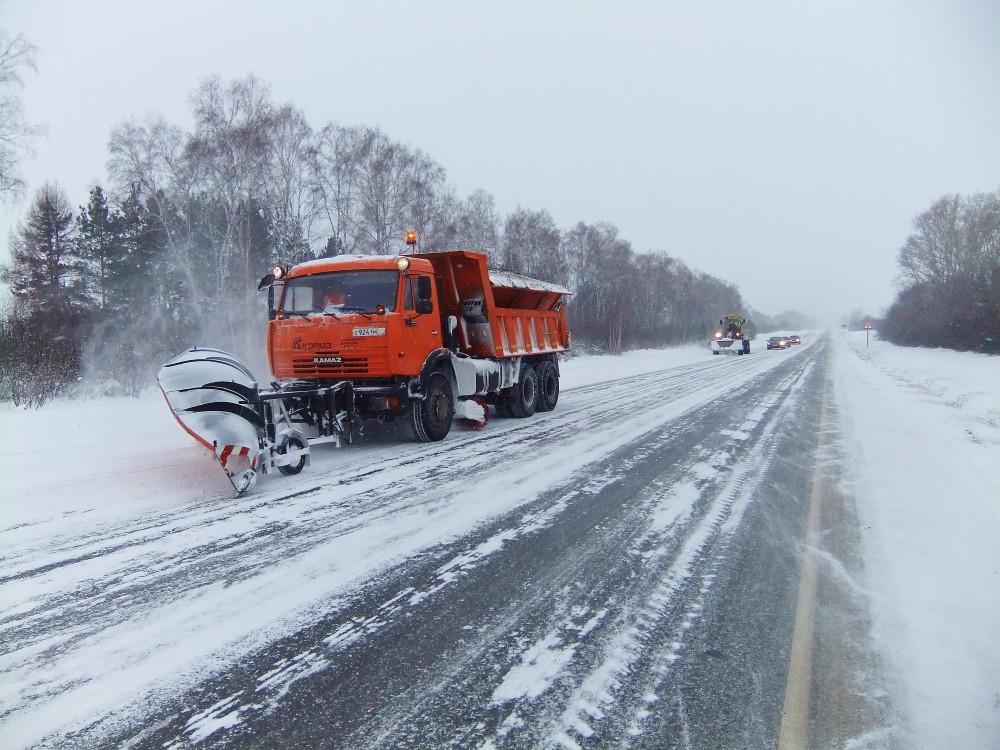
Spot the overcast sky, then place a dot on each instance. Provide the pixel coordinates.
(785, 146)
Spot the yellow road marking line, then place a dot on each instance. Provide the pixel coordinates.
(794, 733)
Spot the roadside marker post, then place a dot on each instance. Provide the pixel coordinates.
(868, 327)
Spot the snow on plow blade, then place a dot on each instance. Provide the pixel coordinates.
(214, 397)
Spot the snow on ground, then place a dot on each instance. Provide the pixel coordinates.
(923, 432)
(922, 428)
(94, 456)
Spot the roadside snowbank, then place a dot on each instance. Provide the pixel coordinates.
(923, 433)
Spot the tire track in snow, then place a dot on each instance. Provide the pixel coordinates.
(138, 571)
(672, 534)
(358, 496)
(615, 693)
(661, 621)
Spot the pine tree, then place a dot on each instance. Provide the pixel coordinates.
(141, 328)
(47, 273)
(48, 279)
(100, 249)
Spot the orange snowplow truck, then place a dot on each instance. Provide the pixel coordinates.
(375, 337)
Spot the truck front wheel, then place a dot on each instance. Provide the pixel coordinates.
(523, 397)
(431, 417)
(292, 444)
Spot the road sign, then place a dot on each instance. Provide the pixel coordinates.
(868, 325)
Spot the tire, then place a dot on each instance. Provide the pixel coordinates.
(548, 386)
(431, 417)
(523, 397)
(293, 443)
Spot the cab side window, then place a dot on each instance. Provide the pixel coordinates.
(408, 294)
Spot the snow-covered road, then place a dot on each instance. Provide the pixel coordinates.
(579, 577)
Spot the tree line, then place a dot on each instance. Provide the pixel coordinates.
(949, 278)
(167, 255)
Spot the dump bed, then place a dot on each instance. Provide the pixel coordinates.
(500, 314)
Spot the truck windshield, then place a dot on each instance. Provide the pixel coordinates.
(340, 291)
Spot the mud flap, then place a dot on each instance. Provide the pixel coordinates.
(472, 413)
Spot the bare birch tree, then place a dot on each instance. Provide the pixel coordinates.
(16, 133)
(477, 226)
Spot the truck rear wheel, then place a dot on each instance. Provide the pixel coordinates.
(431, 417)
(523, 397)
(548, 386)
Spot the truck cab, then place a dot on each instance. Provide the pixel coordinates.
(366, 317)
(370, 320)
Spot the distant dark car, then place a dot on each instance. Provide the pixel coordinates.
(777, 342)
(794, 339)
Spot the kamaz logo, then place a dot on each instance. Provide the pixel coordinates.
(327, 360)
(298, 343)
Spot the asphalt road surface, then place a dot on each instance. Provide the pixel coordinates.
(633, 580)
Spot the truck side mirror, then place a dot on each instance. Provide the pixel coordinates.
(270, 303)
(268, 283)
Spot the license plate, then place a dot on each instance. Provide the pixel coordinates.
(369, 331)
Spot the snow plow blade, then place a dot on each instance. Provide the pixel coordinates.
(215, 399)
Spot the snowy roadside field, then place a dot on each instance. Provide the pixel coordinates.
(923, 434)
